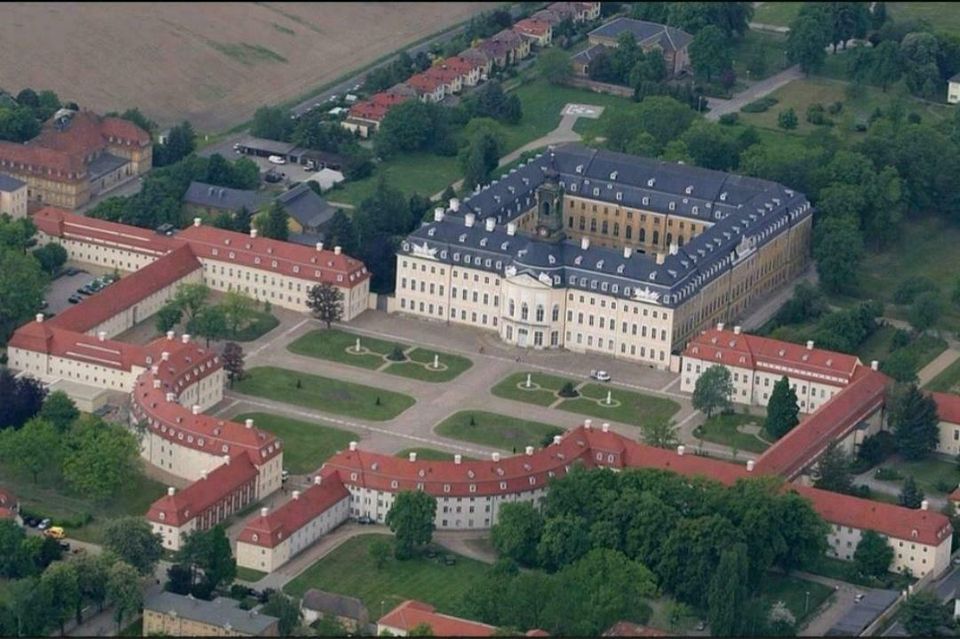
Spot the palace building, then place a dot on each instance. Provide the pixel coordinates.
(595, 251)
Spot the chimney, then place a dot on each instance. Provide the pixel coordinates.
(195, 409)
(469, 219)
(511, 228)
(605, 427)
(203, 474)
(495, 457)
(584, 243)
(924, 505)
(809, 344)
(557, 439)
(165, 356)
(627, 252)
(156, 383)
(296, 494)
(171, 397)
(226, 459)
(457, 459)
(438, 214)
(454, 204)
(319, 246)
(263, 511)
(720, 326)
(317, 480)
(40, 317)
(413, 457)
(102, 336)
(253, 233)
(737, 330)
(171, 491)
(337, 250)
(660, 258)
(155, 369)
(681, 449)
(750, 465)
(588, 424)
(197, 221)
(170, 335)
(875, 365)
(491, 223)
(529, 451)
(248, 423)
(353, 445)
(185, 338)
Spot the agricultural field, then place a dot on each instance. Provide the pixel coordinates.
(213, 64)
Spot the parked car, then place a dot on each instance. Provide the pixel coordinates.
(70, 272)
(276, 159)
(74, 299)
(364, 520)
(55, 532)
(33, 522)
(64, 545)
(45, 523)
(600, 376)
(86, 290)
(858, 597)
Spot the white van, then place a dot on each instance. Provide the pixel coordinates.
(277, 159)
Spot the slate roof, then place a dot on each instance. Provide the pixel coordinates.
(306, 207)
(221, 612)
(221, 197)
(746, 213)
(587, 55)
(669, 38)
(333, 604)
(10, 184)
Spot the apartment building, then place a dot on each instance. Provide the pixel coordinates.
(172, 615)
(595, 251)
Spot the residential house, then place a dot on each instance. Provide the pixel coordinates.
(481, 59)
(13, 197)
(207, 201)
(538, 32)
(429, 87)
(575, 11)
(172, 615)
(365, 117)
(672, 42)
(411, 613)
(469, 69)
(349, 612)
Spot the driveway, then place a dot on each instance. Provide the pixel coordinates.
(757, 90)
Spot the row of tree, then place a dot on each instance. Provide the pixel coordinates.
(22, 121)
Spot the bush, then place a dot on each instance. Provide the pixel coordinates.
(788, 119)
(569, 391)
(729, 118)
(863, 491)
(759, 106)
(396, 355)
(945, 486)
(835, 108)
(876, 448)
(910, 288)
(900, 338)
(816, 115)
(887, 474)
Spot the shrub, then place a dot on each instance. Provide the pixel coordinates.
(568, 390)
(396, 355)
(914, 118)
(835, 108)
(729, 118)
(816, 115)
(759, 106)
(945, 486)
(900, 338)
(910, 288)
(787, 119)
(876, 448)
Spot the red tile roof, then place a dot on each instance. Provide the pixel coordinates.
(195, 499)
(281, 523)
(832, 421)
(948, 407)
(424, 82)
(47, 163)
(411, 613)
(462, 65)
(531, 26)
(630, 629)
(70, 226)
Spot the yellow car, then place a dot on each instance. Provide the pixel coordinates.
(56, 532)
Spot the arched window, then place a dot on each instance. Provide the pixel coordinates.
(556, 312)
(643, 235)
(583, 223)
(680, 240)
(604, 228)
(546, 209)
(524, 311)
(570, 221)
(616, 229)
(539, 312)
(669, 239)
(513, 309)
(656, 237)
(593, 225)
(629, 232)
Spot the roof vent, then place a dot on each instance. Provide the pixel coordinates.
(529, 450)
(875, 365)
(588, 424)
(353, 445)
(605, 427)
(457, 459)
(924, 505)
(197, 221)
(719, 326)
(102, 336)
(185, 338)
(319, 246)
(413, 456)
(39, 317)
(680, 449)
(750, 465)
(171, 491)
(296, 494)
(737, 330)
(165, 356)
(495, 457)
(248, 423)
(195, 409)
(317, 480)
(171, 397)
(170, 335)
(263, 511)
(253, 233)
(809, 344)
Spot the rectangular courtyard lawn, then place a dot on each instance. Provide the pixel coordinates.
(323, 393)
(332, 344)
(543, 391)
(792, 592)
(420, 366)
(499, 431)
(928, 473)
(306, 445)
(627, 407)
(349, 570)
(722, 429)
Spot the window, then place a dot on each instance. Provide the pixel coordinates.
(539, 313)
(642, 236)
(524, 311)
(556, 312)
(656, 237)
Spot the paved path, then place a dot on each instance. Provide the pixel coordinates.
(764, 312)
(893, 488)
(757, 90)
(938, 365)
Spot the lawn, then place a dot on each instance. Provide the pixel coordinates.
(324, 393)
(68, 510)
(772, 46)
(942, 16)
(543, 393)
(928, 473)
(498, 431)
(349, 570)
(249, 574)
(627, 407)
(332, 344)
(423, 173)
(780, 14)
(792, 592)
(429, 454)
(306, 445)
(722, 429)
(260, 324)
(451, 366)
(948, 381)
(846, 571)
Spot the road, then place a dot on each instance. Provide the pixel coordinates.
(755, 91)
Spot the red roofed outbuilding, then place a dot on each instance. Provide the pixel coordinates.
(411, 613)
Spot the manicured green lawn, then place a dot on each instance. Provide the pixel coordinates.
(947, 381)
(261, 324)
(249, 574)
(306, 445)
(722, 429)
(423, 173)
(499, 431)
(628, 407)
(66, 509)
(771, 46)
(792, 592)
(324, 393)
(777, 13)
(451, 366)
(928, 473)
(942, 16)
(545, 395)
(349, 570)
(332, 344)
(430, 454)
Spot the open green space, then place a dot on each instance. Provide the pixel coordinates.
(260, 324)
(423, 173)
(69, 510)
(420, 366)
(922, 349)
(249, 574)
(722, 429)
(942, 16)
(948, 381)
(350, 570)
(499, 431)
(771, 47)
(306, 445)
(792, 591)
(430, 454)
(332, 344)
(780, 14)
(543, 391)
(846, 571)
(929, 473)
(323, 393)
(628, 407)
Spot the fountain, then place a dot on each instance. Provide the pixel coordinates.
(529, 384)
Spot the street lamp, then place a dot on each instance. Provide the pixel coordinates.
(806, 604)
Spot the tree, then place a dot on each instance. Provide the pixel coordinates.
(34, 448)
(910, 495)
(885, 69)
(713, 390)
(478, 159)
(517, 532)
(326, 302)
(913, 419)
(923, 614)
(411, 126)
(272, 122)
(925, 311)
(59, 410)
(208, 551)
(168, 317)
(553, 65)
(274, 222)
(782, 409)
(238, 310)
(190, 298)
(422, 629)
(286, 610)
(51, 257)
(711, 146)
(342, 232)
(137, 117)
(15, 561)
(807, 42)
(232, 358)
(838, 250)
(30, 607)
(833, 470)
(490, 101)
(411, 519)
(100, 457)
(661, 433)
(180, 142)
(123, 591)
(92, 574)
(728, 592)
(787, 119)
(63, 592)
(563, 541)
(20, 398)
(380, 552)
(210, 323)
(132, 539)
(710, 52)
(873, 555)
(22, 286)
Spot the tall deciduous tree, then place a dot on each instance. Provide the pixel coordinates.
(210, 323)
(238, 311)
(873, 555)
(517, 532)
(168, 317)
(274, 222)
(728, 592)
(34, 448)
(913, 418)
(63, 592)
(100, 457)
(925, 311)
(232, 358)
(132, 539)
(123, 591)
(209, 551)
(22, 286)
(20, 398)
(923, 614)
(838, 249)
(411, 519)
(661, 433)
(51, 257)
(782, 409)
(286, 609)
(92, 574)
(59, 410)
(343, 233)
(713, 390)
(553, 65)
(710, 52)
(807, 42)
(191, 297)
(326, 302)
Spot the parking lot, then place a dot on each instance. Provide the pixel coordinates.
(66, 285)
(291, 172)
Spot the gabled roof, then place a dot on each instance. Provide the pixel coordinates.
(532, 26)
(221, 612)
(412, 613)
(669, 38)
(9, 184)
(221, 197)
(948, 407)
(179, 508)
(305, 206)
(333, 603)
